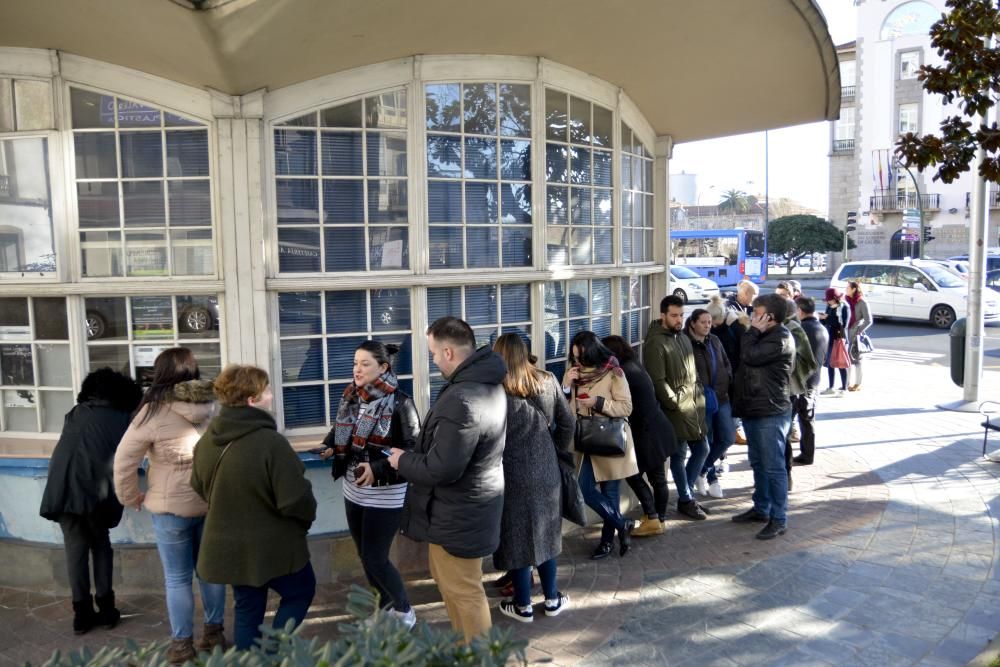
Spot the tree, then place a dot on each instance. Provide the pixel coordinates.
(799, 236)
(971, 74)
(734, 201)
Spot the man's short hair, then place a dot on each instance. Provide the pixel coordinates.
(774, 304)
(671, 300)
(452, 330)
(745, 285)
(795, 286)
(783, 285)
(806, 304)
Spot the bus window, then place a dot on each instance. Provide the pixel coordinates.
(753, 244)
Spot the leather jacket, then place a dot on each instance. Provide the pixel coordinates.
(761, 388)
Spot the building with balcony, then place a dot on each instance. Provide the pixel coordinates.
(882, 98)
(271, 182)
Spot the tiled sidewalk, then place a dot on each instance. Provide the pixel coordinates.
(889, 560)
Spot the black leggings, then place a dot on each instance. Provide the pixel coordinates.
(373, 530)
(843, 377)
(85, 537)
(653, 503)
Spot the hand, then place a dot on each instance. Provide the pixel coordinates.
(588, 402)
(760, 322)
(573, 373)
(363, 475)
(821, 316)
(394, 455)
(139, 501)
(326, 453)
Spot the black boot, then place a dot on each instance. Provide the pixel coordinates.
(107, 615)
(84, 617)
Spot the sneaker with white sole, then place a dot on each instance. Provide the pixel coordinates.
(556, 607)
(715, 489)
(701, 485)
(522, 614)
(407, 618)
(829, 391)
(722, 468)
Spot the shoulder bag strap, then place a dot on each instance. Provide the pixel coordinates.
(215, 471)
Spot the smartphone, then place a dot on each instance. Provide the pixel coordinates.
(384, 451)
(583, 395)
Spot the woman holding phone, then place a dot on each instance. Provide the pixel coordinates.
(374, 415)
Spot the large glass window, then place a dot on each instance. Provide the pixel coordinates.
(128, 332)
(637, 199)
(479, 175)
(908, 117)
(578, 191)
(491, 310)
(909, 64)
(636, 309)
(36, 381)
(143, 189)
(26, 237)
(843, 128)
(341, 188)
(319, 332)
(572, 306)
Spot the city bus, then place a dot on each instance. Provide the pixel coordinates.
(726, 256)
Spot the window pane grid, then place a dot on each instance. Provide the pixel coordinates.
(36, 384)
(637, 200)
(318, 333)
(342, 201)
(479, 175)
(156, 184)
(579, 178)
(636, 309)
(572, 306)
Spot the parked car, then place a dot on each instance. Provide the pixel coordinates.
(105, 316)
(689, 286)
(992, 259)
(914, 289)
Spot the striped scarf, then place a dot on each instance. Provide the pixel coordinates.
(353, 429)
(593, 375)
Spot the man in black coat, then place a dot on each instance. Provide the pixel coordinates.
(805, 404)
(455, 498)
(760, 398)
(80, 493)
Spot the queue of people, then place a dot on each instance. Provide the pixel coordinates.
(483, 473)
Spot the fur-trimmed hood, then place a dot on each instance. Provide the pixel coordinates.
(194, 391)
(105, 385)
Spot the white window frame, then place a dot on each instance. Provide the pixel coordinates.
(908, 118)
(909, 64)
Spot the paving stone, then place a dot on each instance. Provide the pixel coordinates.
(958, 650)
(850, 633)
(831, 650)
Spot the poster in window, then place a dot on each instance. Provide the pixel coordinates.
(152, 317)
(145, 357)
(392, 254)
(15, 365)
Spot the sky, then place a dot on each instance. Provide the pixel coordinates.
(798, 160)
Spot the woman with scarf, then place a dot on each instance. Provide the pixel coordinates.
(861, 321)
(373, 416)
(836, 320)
(596, 384)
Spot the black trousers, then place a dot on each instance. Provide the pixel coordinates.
(373, 530)
(84, 535)
(655, 502)
(804, 407)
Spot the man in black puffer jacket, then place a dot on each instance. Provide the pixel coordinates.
(455, 498)
(761, 398)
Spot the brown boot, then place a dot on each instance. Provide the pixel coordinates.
(212, 635)
(648, 527)
(180, 651)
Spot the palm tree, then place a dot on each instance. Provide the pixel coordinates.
(734, 201)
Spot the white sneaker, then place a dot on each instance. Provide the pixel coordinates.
(722, 468)
(715, 489)
(407, 618)
(829, 391)
(701, 485)
(556, 607)
(839, 393)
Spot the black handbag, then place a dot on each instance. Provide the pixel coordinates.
(600, 435)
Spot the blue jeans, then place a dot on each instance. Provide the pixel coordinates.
(178, 539)
(522, 582)
(685, 474)
(766, 447)
(296, 590)
(721, 435)
(603, 498)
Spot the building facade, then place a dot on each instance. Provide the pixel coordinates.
(881, 98)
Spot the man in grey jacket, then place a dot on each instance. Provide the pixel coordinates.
(455, 497)
(804, 405)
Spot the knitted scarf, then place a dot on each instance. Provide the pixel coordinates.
(353, 429)
(595, 374)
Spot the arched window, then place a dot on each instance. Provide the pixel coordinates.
(910, 18)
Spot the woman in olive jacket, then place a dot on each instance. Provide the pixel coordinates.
(260, 506)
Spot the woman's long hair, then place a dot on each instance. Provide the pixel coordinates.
(593, 353)
(171, 367)
(522, 378)
(693, 317)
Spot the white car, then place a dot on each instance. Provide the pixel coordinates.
(689, 286)
(915, 289)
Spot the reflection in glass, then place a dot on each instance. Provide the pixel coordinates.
(173, 120)
(302, 359)
(16, 364)
(340, 355)
(515, 160)
(88, 109)
(343, 115)
(386, 154)
(602, 126)
(446, 248)
(145, 254)
(582, 249)
(516, 246)
(389, 248)
(579, 121)
(443, 301)
(443, 107)
(601, 326)
(390, 309)
(481, 203)
(141, 154)
(516, 303)
(483, 250)
(101, 254)
(143, 203)
(95, 155)
(555, 301)
(346, 311)
(299, 313)
(97, 204)
(581, 212)
(209, 359)
(387, 201)
(602, 168)
(190, 203)
(403, 362)
(345, 249)
(444, 156)
(304, 406)
(298, 201)
(557, 241)
(14, 322)
(26, 238)
(133, 114)
(555, 163)
(305, 120)
(556, 114)
(19, 410)
(343, 201)
(112, 356)
(602, 207)
(50, 318)
(187, 153)
(481, 304)
(601, 296)
(444, 201)
(515, 110)
(386, 110)
(55, 406)
(341, 153)
(54, 365)
(480, 108)
(105, 317)
(298, 250)
(152, 317)
(579, 166)
(515, 204)
(480, 158)
(295, 152)
(558, 205)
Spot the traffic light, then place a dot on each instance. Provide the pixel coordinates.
(852, 222)
(927, 234)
